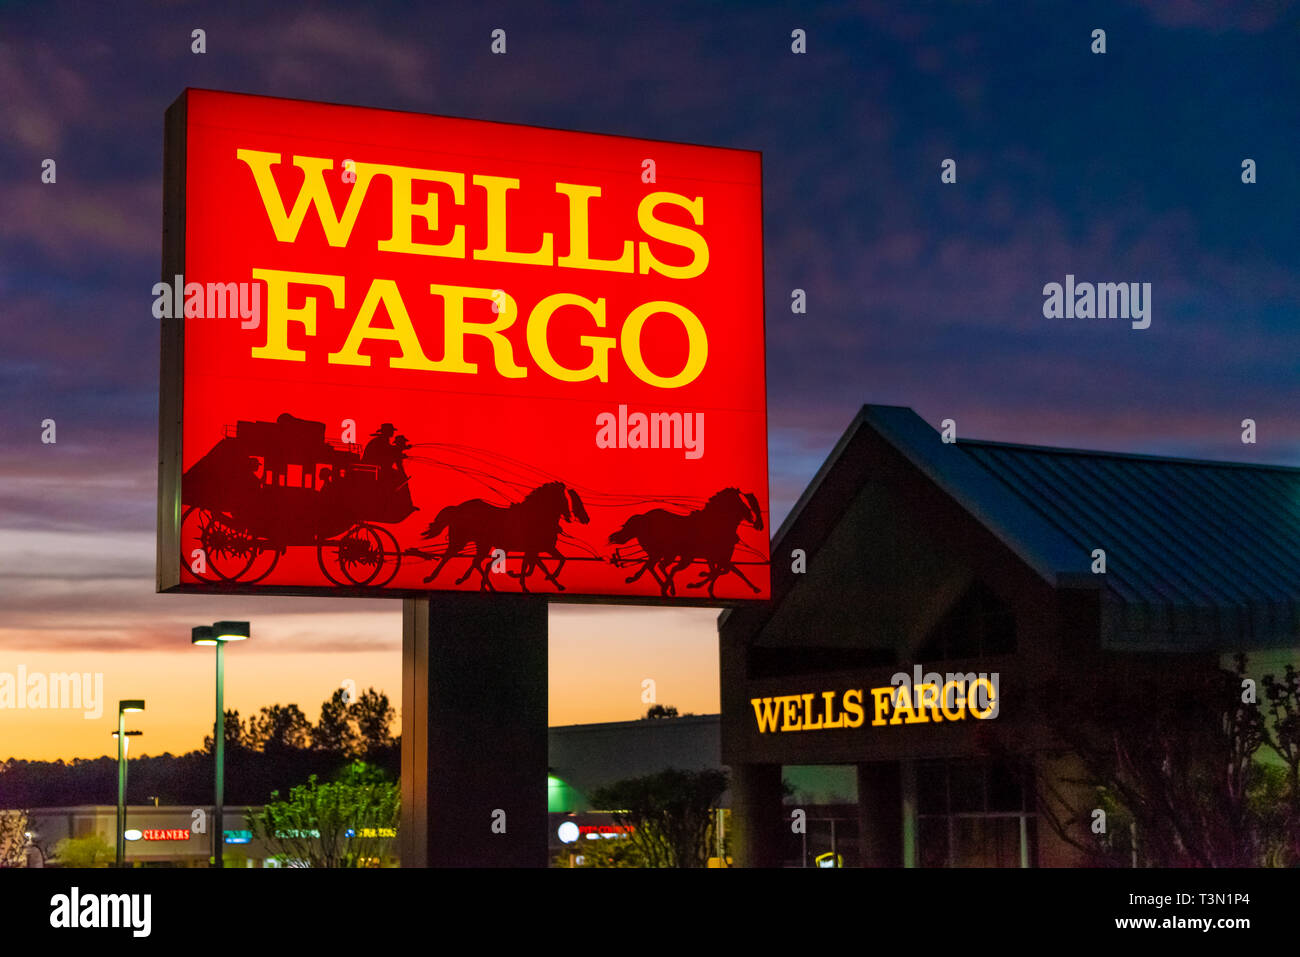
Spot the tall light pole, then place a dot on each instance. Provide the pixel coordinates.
(218, 634)
(132, 704)
(124, 757)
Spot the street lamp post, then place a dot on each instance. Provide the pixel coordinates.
(133, 704)
(218, 634)
(124, 757)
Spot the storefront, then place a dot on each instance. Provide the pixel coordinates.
(583, 758)
(924, 591)
(155, 836)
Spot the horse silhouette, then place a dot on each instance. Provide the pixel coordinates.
(531, 526)
(708, 534)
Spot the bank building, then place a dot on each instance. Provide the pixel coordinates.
(909, 556)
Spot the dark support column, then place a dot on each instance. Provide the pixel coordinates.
(880, 814)
(757, 814)
(474, 737)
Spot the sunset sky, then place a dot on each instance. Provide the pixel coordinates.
(1122, 167)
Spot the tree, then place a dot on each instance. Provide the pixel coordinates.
(361, 773)
(669, 813)
(374, 718)
(334, 731)
(1282, 735)
(91, 851)
(623, 851)
(279, 728)
(660, 711)
(14, 826)
(265, 754)
(1174, 764)
(347, 823)
(236, 734)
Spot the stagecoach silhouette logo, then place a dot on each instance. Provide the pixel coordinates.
(268, 486)
(708, 535)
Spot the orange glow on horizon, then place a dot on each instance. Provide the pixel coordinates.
(599, 657)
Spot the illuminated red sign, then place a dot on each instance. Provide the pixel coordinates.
(406, 353)
(166, 834)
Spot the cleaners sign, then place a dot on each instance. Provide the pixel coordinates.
(405, 353)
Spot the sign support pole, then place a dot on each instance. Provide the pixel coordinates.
(474, 731)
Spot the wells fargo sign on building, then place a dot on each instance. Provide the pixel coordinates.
(955, 699)
(406, 352)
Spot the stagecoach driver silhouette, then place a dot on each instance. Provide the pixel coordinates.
(386, 454)
(380, 450)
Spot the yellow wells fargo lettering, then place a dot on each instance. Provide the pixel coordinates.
(923, 704)
(286, 222)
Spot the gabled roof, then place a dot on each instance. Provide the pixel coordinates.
(1200, 555)
(1181, 531)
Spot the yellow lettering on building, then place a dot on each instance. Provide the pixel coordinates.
(766, 713)
(828, 699)
(853, 707)
(927, 699)
(903, 704)
(894, 705)
(807, 713)
(957, 711)
(883, 697)
(991, 698)
(790, 712)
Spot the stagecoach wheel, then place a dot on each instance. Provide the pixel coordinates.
(256, 572)
(321, 545)
(393, 557)
(228, 552)
(358, 553)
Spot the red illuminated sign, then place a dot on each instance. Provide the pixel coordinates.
(166, 834)
(406, 353)
(605, 828)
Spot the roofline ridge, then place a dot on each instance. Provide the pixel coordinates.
(1144, 456)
